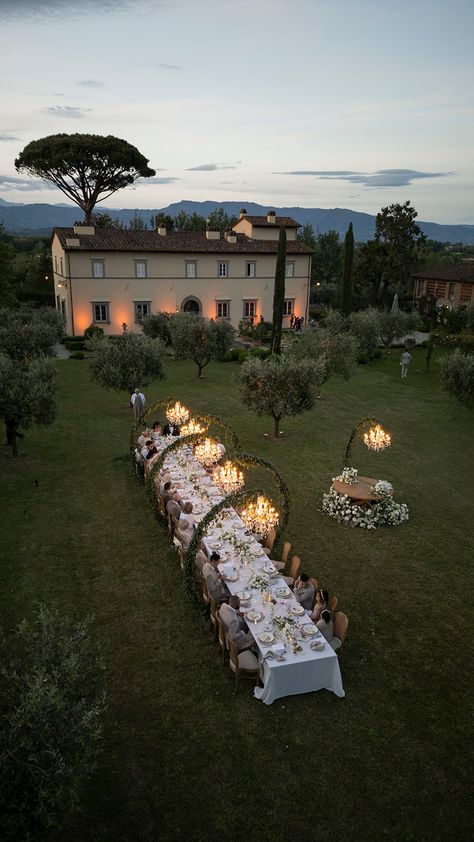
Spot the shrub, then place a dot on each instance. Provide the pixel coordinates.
(261, 353)
(157, 326)
(457, 374)
(364, 325)
(75, 344)
(77, 355)
(93, 332)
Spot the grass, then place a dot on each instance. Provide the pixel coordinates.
(185, 757)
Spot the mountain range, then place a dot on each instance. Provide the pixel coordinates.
(39, 219)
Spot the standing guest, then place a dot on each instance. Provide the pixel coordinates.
(173, 506)
(405, 361)
(213, 579)
(155, 431)
(171, 430)
(292, 321)
(322, 599)
(137, 400)
(304, 591)
(235, 624)
(326, 625)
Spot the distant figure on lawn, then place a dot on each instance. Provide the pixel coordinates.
(137, 400)
(405, 361)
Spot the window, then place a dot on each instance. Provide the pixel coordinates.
(191, 269)
(58, 302)
(452, 291)
(250, 269)
(142, 309)
(61, 267)
(222, 310)
(100, 312)
(288, 306)
(55, 263)
(63, 306)
(250, 308)
(141, 269)
(223, 269)
(98, 269)
(290, 269)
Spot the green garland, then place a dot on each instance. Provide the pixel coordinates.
(139, 425)
(229, 502)
(150, 486)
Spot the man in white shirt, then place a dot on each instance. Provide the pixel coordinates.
(214, 580)
(137, 399)
(173, 506)
(236, 625)
(405, 360)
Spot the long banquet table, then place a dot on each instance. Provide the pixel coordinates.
(302, 671)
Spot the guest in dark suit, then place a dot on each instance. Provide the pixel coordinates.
(171, 430)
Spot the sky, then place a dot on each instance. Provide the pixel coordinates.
(311, 103)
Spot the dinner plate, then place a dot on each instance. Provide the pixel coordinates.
(244, 596)
(254, 616)
(296, 609)
(269, 568)
(267, 637)
(283, 592)
(232, 577)
(216, 546)
(309, 631)
(318, 645)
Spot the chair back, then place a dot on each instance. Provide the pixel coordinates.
(295, 566)
(341, 623)
(285, 552)
(270, 539)
(233, 655)
(332, 605)
(204, 590)
(221, 635)
(314, 583)
(181, 557)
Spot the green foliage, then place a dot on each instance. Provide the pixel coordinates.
(457, 374)
(105, 220)
(77, 355)
(34, 277)
(184, 222)
(75, 344)
(86, 168)
(7, 265)
(395, 326)
(328, 259)
(52, 698)
(219, 220)
(279, 293)
(157, 220)
(27, 394)
(157, 326)
(200, 340)
(307, 236)
(137, 223)
(455, 319)
(278, 387)
(470, 317)
(347, 271)
(335, 354)
(364, 325)
(93, 331)
(335, 322)
(126, 361)
(26, 333)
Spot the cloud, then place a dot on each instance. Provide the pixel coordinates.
(163, 65)
(214, 167)
(69, 111)
(47, 9)
(10, 182)
(155, 180)
(91, 83)
(6, 138)
(379, 178)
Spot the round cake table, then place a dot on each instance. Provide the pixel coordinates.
(360, 492)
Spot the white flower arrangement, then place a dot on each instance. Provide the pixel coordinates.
(384, 513)
(382, 488)
(349, 476)
(258, 581)
(286, 628)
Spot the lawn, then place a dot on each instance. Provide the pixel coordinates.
(183, 756)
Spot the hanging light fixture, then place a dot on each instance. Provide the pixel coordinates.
(228, 477)
(208, 453)
(260, 517)
(192, 428)
(377, 439)
(177, 414)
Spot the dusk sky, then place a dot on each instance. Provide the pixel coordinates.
(317, 103)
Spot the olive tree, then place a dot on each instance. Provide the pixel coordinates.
(52, 698)
(126, 361)
(334, 353)
(364, 325)
(457, 375)
(157, 326)
(278, 387)
(27, 395)
(395, 326)
(26, 334)
(87, 168)
(200, 340)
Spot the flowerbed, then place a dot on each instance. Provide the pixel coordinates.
(385, 513)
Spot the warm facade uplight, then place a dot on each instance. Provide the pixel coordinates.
(228, 477)
(260, 517)
(377, 439)
(177, 414)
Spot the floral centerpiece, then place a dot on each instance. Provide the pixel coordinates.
(382, 488)
(258, 581)
(349, 476)
(386, 512)
(286, 628)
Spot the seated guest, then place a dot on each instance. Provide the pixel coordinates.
(184, 532)
(201, 559)
(173, 506)
(164, 479)
(326, 625)
(214, 580)
(170, 430)
(304, 591)
(322, 598)
(235, 624)
(187, 513)
(151, 450)
(146, 447)
(155, 431)
(142, 438)
(167, 492)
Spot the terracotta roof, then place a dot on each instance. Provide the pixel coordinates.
(262, 222)
(461, 272)
(114, 239)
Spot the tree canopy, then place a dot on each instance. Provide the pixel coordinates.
(26, 333)
(334, 353)
(27, 394)
(198, 339)
(279, 293)
(396, 326)
(87, 168)
(125, 362)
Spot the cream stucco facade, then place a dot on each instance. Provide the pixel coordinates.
(113, 287)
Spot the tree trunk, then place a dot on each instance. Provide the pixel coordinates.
(12, 438)
(200, 368)
(276, 427)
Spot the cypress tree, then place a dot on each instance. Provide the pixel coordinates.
(279, 293)
(347, 273)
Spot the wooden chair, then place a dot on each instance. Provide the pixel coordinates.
(294, 570)
(162, 507)
(213, 617)
(340, 630)
(242, 662)
(222, 636)
(270, 540)
(181, 555)
(204, 590)
(332, 604)
(281, 564)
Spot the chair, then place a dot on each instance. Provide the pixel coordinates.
(221, 636)
(162, 507)
(332, 605)
(213, 616)
(340, 630)
(280, 565)
(242, 662)
(204, 590)
(270, 539)
(181, 555)
(294, 570)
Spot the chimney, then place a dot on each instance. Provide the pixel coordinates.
(231, 236)
(84, 230)
(213, 235)
(271, 216)
(161, 230)
(242, 213)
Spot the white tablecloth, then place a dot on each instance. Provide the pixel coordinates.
(302, 672)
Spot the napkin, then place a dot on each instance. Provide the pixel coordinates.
(278, 649)
(227, 568)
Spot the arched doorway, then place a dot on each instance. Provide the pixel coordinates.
(191, 304)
